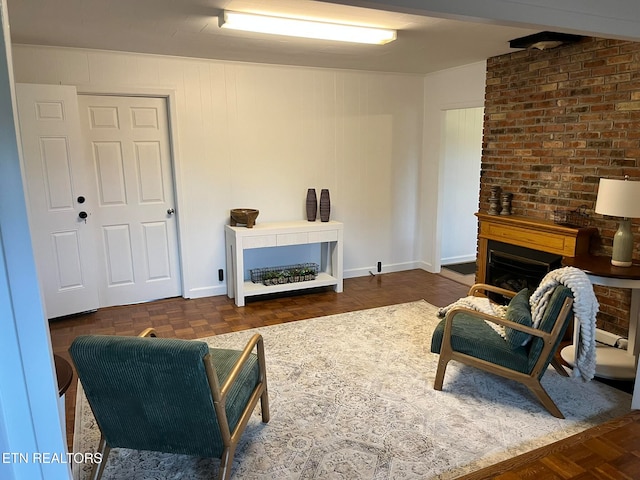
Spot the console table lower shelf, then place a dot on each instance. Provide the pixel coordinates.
(322, 280)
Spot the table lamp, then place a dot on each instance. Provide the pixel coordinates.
(620, 198)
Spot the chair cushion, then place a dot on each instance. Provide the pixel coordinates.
(518, 311)
(238, 397)
(465, 332)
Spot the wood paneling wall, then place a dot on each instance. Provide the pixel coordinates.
(257, 136)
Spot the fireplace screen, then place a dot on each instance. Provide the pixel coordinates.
(514, 268)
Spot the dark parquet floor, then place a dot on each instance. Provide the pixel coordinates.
(609, 451)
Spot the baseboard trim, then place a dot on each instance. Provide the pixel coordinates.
(461, 259)
(386, 268)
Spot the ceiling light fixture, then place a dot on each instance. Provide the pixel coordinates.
(305, 28)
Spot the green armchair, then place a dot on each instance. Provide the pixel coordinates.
(464, 336)
(170, 395)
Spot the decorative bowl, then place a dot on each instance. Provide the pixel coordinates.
(244, 216)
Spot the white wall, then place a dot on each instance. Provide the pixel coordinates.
(258, 136)
(461, 87)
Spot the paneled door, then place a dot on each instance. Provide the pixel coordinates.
(59, 195)
(99, 182)
(130, 159)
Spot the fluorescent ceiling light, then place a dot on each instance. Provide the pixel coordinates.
(305, 28)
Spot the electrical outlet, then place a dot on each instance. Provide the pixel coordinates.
(379, 267)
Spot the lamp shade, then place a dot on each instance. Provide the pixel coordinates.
(618, 198)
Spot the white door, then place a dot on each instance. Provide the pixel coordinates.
(130, 158)
(58, 190)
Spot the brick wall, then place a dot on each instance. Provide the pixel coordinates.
(555, 122)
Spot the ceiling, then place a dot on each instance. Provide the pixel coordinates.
(189, 28)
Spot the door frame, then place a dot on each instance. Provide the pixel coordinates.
(447, 185)
(171, 98)
(437, 260)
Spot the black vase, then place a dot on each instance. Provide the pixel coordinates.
(312, 205)
(325, 205)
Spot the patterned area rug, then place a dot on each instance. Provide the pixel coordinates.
(352, 398)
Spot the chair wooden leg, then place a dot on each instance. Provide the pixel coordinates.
(559, 368)
(442, 366)
(226, 462)
(98, 468)
(544, 398)
(264, 406)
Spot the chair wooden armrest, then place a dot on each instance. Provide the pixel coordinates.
(479, 287)
(148, 332)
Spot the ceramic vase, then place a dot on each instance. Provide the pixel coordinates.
(325, 205)
(312, 205)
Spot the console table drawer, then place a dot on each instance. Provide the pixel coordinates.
(260, 241)
(285, 239)
(326, 236)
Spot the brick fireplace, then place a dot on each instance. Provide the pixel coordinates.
(556, 121)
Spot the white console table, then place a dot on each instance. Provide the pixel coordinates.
(281, 234)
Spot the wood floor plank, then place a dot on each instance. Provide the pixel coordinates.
(533, 465)
(562, 466)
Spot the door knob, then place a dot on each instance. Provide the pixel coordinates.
(171, 211)
(83, 215)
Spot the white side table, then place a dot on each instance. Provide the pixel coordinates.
(612, 363)
(64, 376)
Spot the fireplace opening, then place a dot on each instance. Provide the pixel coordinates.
(514, 268)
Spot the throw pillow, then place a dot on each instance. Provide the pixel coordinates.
(518, 311)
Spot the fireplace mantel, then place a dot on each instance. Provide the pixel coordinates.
(536, 234)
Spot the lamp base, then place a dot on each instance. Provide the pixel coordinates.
(616, 263)
(623, 245)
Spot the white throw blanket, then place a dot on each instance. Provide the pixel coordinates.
(479, 304)
(585, 309)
